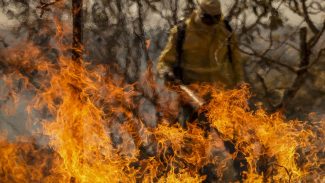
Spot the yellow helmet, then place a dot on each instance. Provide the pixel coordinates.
(212, 7)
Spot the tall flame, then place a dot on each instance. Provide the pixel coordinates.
(269, 143)
(94, 133)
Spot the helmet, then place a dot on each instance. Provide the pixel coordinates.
(209, 12)
(212, 7)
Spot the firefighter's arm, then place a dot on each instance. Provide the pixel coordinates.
(168, 57)
(237, 60)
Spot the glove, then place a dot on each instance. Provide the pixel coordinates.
(167, 74)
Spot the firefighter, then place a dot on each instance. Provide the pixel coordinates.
(202, 48)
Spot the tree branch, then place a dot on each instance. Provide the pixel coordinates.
(311, 25)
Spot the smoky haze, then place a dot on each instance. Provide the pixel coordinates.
(268, 34)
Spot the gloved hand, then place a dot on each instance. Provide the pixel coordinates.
(167, 74)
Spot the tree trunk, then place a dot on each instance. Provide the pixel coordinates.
(77, 51)
(302, 73)
(77, 30)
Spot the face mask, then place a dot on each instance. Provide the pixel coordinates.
(210, 19)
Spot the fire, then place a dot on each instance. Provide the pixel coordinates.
(94, 133)
(266, 140)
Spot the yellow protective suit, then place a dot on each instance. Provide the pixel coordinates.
(205, 54)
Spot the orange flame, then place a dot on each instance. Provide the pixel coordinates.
(95, 135)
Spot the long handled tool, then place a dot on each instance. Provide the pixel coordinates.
(198, 101)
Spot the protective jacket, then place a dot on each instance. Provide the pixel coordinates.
(205, 54)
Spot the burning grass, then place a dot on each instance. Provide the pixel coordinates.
(94, 133)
